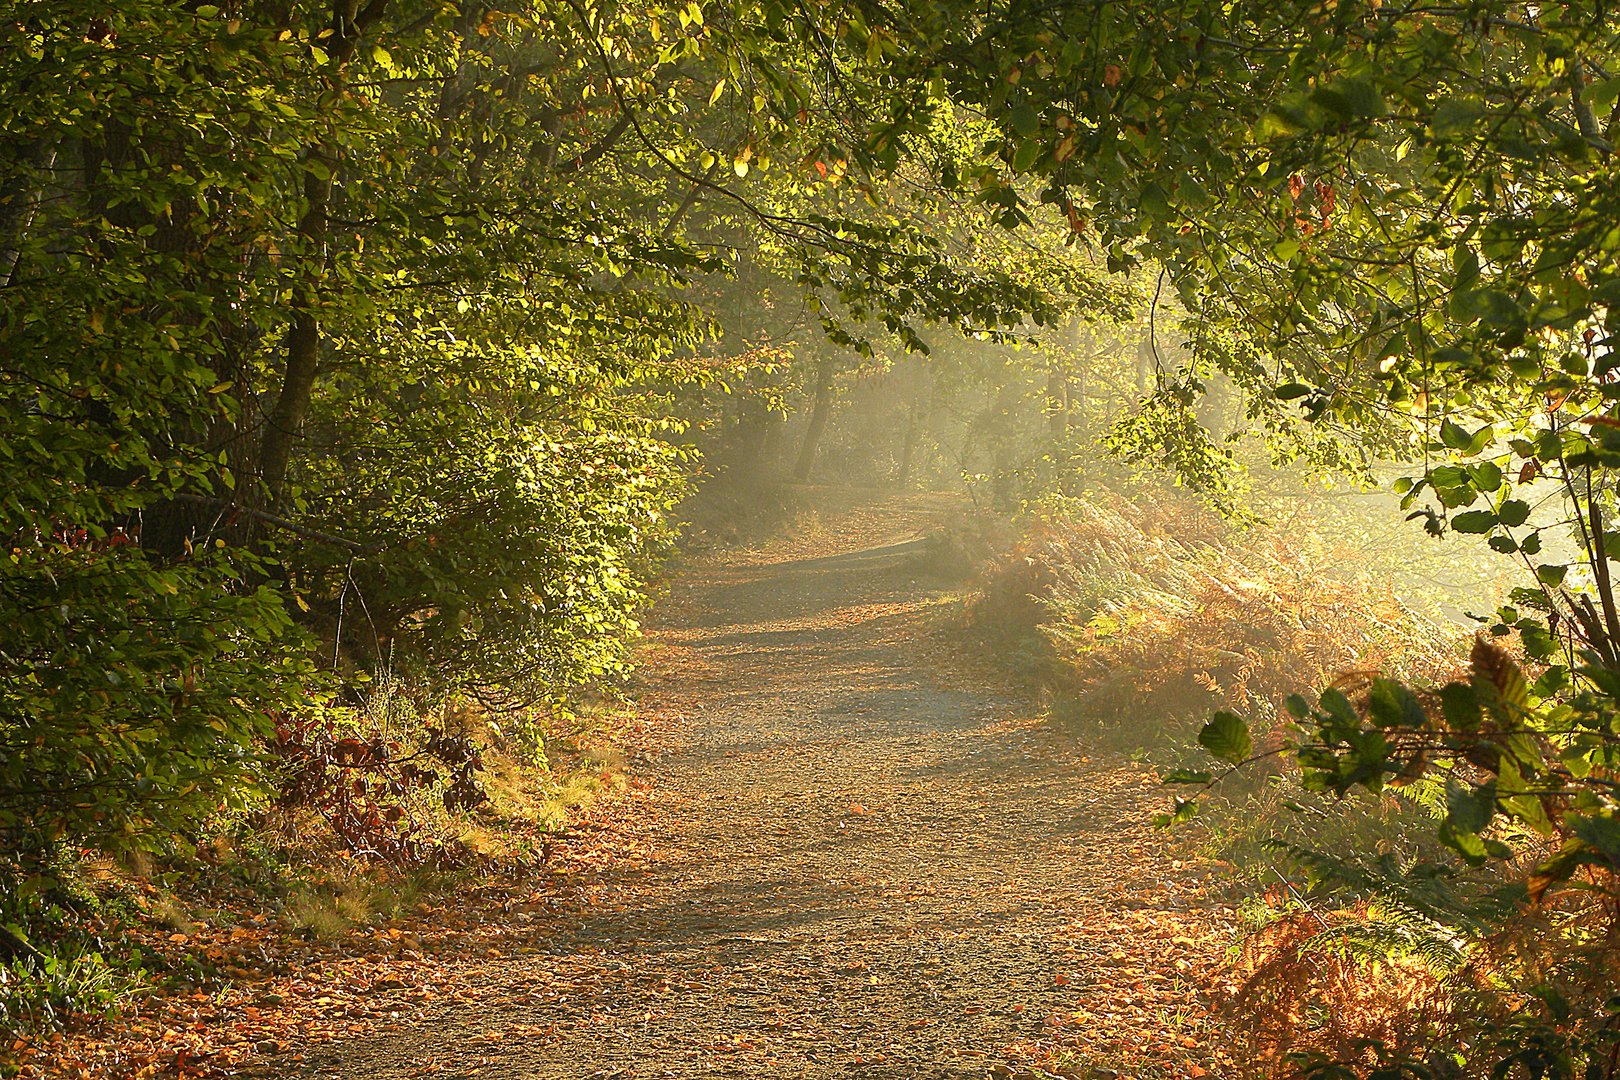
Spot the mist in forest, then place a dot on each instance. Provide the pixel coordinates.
(1010, 428)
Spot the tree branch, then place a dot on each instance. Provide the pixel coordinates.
(278, 521)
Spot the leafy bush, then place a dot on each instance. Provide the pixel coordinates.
(234, 431)
(1512, 919)
(135, 694)
(42, 994)
(1157, 608)
(368, 791)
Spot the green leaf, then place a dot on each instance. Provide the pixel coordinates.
(1186, 776)
(1227, 737)
(1025, 120)
(1454, 435)
(1456, 116)
(1517, 797)
(1487, 475)
(1465, 265)
(1392, 705)
(1459, 701)
(1351, 98)
(1514, 512)
(1184, 810)
(1492, 307)
(1571, 857)
(1338, 706)
(1467, 844)
(1469, 809)
(1474, 521)
(1600, 832)
(1026, 155)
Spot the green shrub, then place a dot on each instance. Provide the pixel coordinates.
(134, 696)
(42, 994)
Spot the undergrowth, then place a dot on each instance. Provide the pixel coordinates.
(1155, 607)
(1139, 617)
(400, 799)
(741, 509)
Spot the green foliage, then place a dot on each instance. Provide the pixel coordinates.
(134, 693)
(1226, 737)
(1404, 219)
(1538, 763)
(1156, 606)
(348, 335)
(68, 983)
(1522, 773)
(300, 348)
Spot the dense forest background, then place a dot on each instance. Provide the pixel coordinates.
(356, 359)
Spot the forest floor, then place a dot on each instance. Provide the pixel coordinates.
(856, 857)
(843, 845)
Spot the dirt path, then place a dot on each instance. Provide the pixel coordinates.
(862, 866)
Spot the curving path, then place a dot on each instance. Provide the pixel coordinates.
(866, 863)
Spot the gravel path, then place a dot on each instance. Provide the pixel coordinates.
(864, 863)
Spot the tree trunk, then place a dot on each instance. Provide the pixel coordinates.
(1057, 404)
(820, 413)
(350, 21)
(908, 449)
(303, 338)
(771, 445)
(20, 200)
(1146, 362)
(748, 450)
(1079, 397)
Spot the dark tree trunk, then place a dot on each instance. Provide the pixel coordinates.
(303, 342)
(757, 425)
(771, 445)
(19, 201)
(820, 413)
(350, 22)
(1146, 363)
(915, 420)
